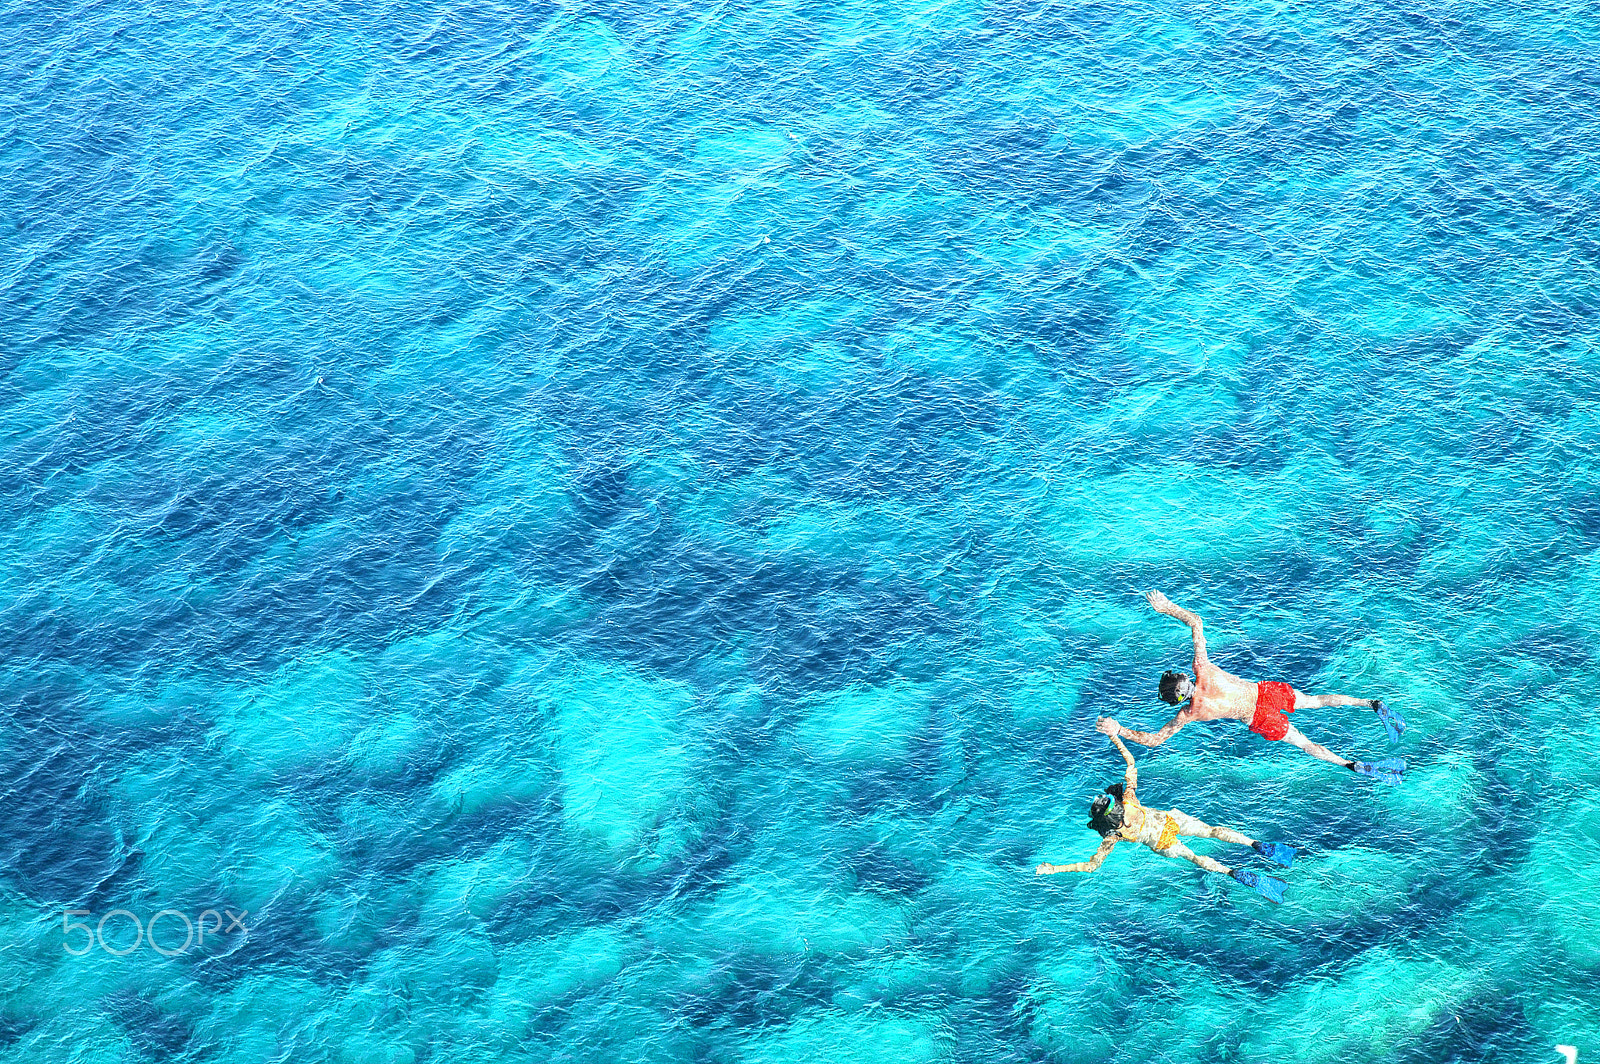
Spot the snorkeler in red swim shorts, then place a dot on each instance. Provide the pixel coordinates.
(1218, 694)
(1273, 700)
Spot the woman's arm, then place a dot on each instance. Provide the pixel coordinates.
(1161, 604)
(1106, 845)
(1131, 777)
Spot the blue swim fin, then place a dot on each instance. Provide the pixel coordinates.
(1389, 770)
(1391, 720)
(1276, 852)
(1266, 886)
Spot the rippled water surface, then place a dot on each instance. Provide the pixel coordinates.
(600, 532)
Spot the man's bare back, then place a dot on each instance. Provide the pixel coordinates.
(1220, 695)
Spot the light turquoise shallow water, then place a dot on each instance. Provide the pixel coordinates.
(603, 530)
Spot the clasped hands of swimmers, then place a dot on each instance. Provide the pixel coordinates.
(1215, 694)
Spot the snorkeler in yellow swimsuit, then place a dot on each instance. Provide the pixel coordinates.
(1159, 829)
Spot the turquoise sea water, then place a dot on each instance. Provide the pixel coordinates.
(602, 530)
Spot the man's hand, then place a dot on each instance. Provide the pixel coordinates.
(1108, 726)
(1044, 870)
(1158, 601)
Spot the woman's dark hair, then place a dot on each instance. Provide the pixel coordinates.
(1102, 817)
(1169, 686)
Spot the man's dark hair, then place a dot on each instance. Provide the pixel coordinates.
(1169, 686)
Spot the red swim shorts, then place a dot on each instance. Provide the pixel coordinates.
(1273, 700)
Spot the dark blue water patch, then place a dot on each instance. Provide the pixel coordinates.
(14, 1029)
(430, 34)
(157, 1033)
(57, 843)
(1016, 24)
(620, 352)
(1505, 820)
(599, 495)
(1320, 949)
(701, 872)
(756, 993)
(1277, 659)
(102, 420)
(1009, 1010)
(1300, 123)
(650, 29)
(905, 788)
(36, 628)
(665, 604)
(875, 869)
(372, 590)
(1439, 897)
(1356, 525)
(1557, 647)
(415, 831)
(1285, 579)
(1258, 444)
(1546, 408)
(1256, 48)
(931, 408)
(1114, 191)
(564, 886)
(37, 26)
(217, 263)
(1389, 38)
(995, 1027)
(120, 883)
(1485, 1027)
(537, 240)
(1505, 567)
(1581, 514)
(280, 935)
(1501, 440)
(1349, 820)
(61, 300)
(1069, 328)
(1555, 315)
(385, 562)
(1111, 689)
(886, 440)
(912, 81)
(1022, 163)
(1078, 752)
(861, 646)
(583, 890)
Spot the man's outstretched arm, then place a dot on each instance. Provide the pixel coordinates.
(1155, 738)
(1080, 866)
(1161, 604)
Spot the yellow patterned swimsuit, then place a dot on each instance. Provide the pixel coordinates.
(1156, 830)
